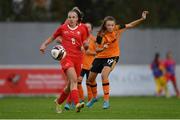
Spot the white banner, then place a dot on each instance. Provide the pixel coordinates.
(131, 80)
(125, 80)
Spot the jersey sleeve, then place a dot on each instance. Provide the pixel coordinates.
(99, 41)
(58, 32)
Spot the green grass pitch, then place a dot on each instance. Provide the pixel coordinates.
(121, 107)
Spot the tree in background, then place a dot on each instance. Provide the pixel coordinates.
(59, 9)
(163, 13)
(5, 10)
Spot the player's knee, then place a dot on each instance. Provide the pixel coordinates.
(90, 79)
(73, 81)
(104, 76)
(88, 82)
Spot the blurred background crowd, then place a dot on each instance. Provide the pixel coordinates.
(164, 13)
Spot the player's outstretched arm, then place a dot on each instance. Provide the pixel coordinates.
(45, 44)
(137, 22)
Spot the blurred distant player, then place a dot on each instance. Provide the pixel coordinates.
(170, 71)
(158, 70)
(88, 58)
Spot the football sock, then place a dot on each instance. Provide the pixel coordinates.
(62, 98)
(105, 84)
(89, 91)
(81, 92)
(69, 100)
(74, 96)
(94, 89)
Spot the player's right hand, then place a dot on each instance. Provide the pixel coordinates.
(42, 48)
(144, 14)
(106, 45)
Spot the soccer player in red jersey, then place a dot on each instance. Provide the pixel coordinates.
(72, 35)
(170, 65)
(88, 58)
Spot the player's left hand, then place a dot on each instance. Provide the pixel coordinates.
(144, 14)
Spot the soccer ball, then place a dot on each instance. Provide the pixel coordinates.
(58, 52)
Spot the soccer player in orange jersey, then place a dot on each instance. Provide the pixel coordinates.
(88, 58)
(108, 52)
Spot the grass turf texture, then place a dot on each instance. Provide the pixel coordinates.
(121, 107)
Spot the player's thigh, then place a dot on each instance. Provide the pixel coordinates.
(71, 74)
(108, 67)
(111, 62)
(105, 72)
(92, 77)
(97, 65)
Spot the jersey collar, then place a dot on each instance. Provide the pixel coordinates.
(72, 28)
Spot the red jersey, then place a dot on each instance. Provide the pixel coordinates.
(170, 66)
(72, 38)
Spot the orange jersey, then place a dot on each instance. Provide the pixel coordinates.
(87, 58)
(111, 38)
